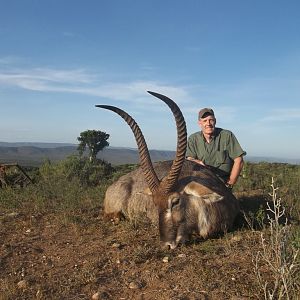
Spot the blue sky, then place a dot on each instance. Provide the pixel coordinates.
(60, 58)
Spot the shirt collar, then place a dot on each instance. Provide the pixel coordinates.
(212, 137)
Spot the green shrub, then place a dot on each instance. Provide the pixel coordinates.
(257, 176)
(70, 184)
(76, 168)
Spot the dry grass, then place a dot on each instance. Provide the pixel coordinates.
(76, 258)
(51, 249)
(278, 254)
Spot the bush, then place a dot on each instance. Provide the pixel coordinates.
(256, 177)
(75, 168)
(70, 184)
(279, 254)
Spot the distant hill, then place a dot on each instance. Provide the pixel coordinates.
(33, 154)
(32, 144)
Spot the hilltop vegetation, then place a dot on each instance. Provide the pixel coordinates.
(57, 245)
(34, 154)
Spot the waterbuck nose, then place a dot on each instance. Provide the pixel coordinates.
(169, 245)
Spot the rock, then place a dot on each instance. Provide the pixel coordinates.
(13, 215)
(236, 238)
(38, 294)
(22, 284)
(165, 259)
(96, 296)
(182, 255)
(116, 245)
(134, 285)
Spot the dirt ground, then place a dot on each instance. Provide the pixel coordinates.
(82, 256)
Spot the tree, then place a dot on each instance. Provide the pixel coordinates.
(95, 140)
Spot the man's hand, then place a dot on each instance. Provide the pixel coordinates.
(200, 162)
(229, 186)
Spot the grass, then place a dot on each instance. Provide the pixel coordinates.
(54, 238)
(278, 253)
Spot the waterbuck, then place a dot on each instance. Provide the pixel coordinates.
(183, 196)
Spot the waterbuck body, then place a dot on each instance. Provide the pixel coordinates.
(182, 196)
(207, 206)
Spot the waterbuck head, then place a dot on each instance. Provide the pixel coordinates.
(169, 201)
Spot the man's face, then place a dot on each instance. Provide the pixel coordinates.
(207, 124)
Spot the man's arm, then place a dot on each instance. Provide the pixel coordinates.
(191, 152)
(236, 170)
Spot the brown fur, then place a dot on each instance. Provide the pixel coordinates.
(207, 206)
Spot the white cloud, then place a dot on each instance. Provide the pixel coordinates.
(79, 81)
(38, 75)
(282, 115)
(227, 100)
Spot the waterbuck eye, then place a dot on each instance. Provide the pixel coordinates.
(175, 201)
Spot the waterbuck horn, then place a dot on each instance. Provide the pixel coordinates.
(168, 184)
(151, 177)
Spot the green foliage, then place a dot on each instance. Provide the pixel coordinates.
(78, 183)
(122, 170)
(74, 168)
(296, 238)
(257, 177)
(255, 218)
(67, 185)
(95, 140)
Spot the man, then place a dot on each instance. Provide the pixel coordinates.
(216, 148)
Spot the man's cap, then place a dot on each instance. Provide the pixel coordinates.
(204, 112)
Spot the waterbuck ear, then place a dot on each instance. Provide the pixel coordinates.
(147, 191)
(196, 189)
(213, 197)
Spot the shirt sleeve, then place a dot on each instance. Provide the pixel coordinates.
(191, 151)
(234, 148)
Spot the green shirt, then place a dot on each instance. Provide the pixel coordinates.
(219, 153)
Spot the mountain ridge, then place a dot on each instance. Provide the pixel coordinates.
(34, 154)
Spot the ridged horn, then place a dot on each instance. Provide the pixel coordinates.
(169, 183)
(151, 177)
